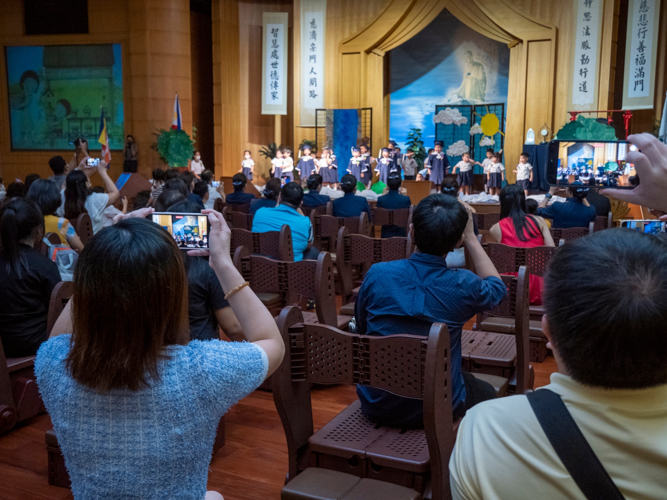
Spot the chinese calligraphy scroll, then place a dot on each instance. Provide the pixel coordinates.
(586, 54)
(274, 63)
(313, 15)
(640, 54)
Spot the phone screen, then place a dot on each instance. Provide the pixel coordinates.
(593, 164)
(188, 230)
(645, 226)
(93, 162)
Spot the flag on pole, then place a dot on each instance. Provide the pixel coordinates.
(104, 140)
(176, 121)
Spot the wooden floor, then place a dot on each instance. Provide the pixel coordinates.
(251, 465)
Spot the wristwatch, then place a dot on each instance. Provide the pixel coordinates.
(548, 196)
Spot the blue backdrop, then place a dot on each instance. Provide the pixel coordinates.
(345, 131)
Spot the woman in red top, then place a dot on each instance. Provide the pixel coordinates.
(518, 229)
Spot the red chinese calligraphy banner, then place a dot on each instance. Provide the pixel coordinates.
(586, 54)
(274, 63)
(641, 49)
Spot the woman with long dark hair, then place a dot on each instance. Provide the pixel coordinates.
(27, 278)
(519, 229)
(130, 396)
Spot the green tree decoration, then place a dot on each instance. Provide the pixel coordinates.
(415, 143)
(586, 129)
(175, 147)
(306, 142)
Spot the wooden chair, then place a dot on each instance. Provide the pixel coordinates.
(308, 279)
(321, 210)
(52, 238)
(356, 253)
(83, 225)
(502, 358)
(572, 233)
(219, 205)
(274, 244)
(508, 259)
(236, 219)
(401, 217)
(326, 227)
(351, 457)
(601, 222)
(485, 221)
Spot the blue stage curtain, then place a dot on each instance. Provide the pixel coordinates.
(345, 130)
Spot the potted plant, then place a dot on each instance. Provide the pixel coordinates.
(414, 143)
(175, 147)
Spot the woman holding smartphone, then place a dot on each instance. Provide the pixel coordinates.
(134, 403)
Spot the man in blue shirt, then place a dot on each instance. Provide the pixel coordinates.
(239, 197)
(350, 205)
(575, 212)
(409, 295)
(273, 219)
(270, 198)
(313, 198)
(393, 200)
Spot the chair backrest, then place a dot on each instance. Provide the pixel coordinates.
(240, 220)
(507, 259)
(240, 207)
(52, 238)
(326, 227)
(60, 295)
(320, 210)
(401, 217)
(83, 226)
(406, 365)
(572, 233)
(603, 222)
(219, 205)
(487, 220)
(8, 415)
(274, 244)
(313, 279)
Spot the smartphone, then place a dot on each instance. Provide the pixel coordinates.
(189, 231)
(93, 162)
(215, 184)
(645, 226)
(596, 164)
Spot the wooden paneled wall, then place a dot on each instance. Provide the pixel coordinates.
(155, 39)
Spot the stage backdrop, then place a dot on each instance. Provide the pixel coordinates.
(57, 91)
(447, 64)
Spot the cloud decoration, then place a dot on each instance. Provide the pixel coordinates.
(457, 149)
(450, 116)
(475, 129)
(487, 141)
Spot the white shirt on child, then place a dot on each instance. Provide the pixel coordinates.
(277, 162)
(496, 168)
(322, 163)
(463, 166)
(523, 171)
(486, 164)
(409, 166)
(248, 163)
(197, 166)
(288, 164)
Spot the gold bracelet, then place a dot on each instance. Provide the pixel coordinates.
(234, 290)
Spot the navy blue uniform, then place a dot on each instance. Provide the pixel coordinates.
(239, 198)
(350, 205)
(313, 199)
(261, 203)
(572, 213)
(393, 200)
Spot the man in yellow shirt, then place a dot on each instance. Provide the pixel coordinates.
(606, 302)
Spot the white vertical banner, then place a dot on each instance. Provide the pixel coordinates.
(641, 49)
(586, 54)
(313, 31)
(274, 63)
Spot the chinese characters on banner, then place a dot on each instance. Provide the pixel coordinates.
(586, 50)
(274, 76)
(642, 37)
(312, 59)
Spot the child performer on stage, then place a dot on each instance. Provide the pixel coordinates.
(524, 173)
(355, 164)
(485, 165)
(464, 177)
(409, 165)
(277, 168)
(385, 165)
(328, 168)
(288, 165)
(247, 165)
(437, 164)
(366, 170)
(306, 166)
(496, 175)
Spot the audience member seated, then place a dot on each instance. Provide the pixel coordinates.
(168, 198)
(58, 165)
(125, 364)
(393, 200)
(27, 278)
(601, 203)
(142, 199)
(270, 197)
(189, 179)
(531, 208)
(518, 229)
(407, 296)
(456, 259)
(350, 205)
(273, 219)
(14, 190)
(111, 211)
(313, 198)
(46, 195)
(171, 173)
(574, 212)
(207, 307)
(605, 319)
(201, 191)
(77, 200)
(239, 197)
(29, 179)
(213, 192)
